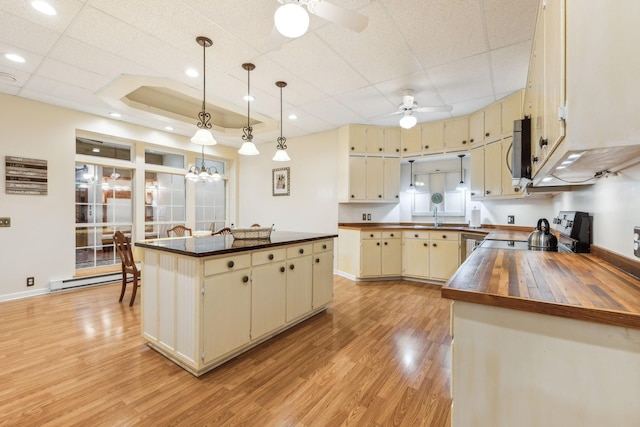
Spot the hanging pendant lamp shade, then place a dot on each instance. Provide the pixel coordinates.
(461, 186)
(203, 135)
(281, 149)
(248, 148)
(203, 173)
(411, 188)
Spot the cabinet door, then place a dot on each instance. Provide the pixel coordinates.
(268, 296)
(392, 141)
(493, 123)
(534, 93)
(370, 254)
(476, 186)
(476, 128)
(375, 178)
(322, 279)
(357, 139)
(226, 301)
(433, 137)
(357, 178)
(375, 140)
(511, 111)
(444, 259)
(415, 258)
(391, 178)
(299, 287)
(391, 257)
(456, 134)
(493, 164)
(554, 57)
(411, 140)
(508, 189)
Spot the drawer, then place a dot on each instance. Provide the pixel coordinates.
(299, 250)
(396, 234)
(323, 246)
(364, 235)
(445, 235)
(271, 255)
(226, 264)
(415, 234)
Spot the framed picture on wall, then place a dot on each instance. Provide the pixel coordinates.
(280, 182)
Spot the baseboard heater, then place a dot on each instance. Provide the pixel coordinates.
(100, 279)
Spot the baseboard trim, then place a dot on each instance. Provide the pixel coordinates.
(25, 294)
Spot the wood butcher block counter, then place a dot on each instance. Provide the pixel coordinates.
(543, 338)
(207, 299)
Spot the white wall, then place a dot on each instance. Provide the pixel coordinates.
(312, 205)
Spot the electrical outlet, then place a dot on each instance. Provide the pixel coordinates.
(364, 216)
(511, 219)
(636, 241)
(368, 217)
(31, 281)
(5, 222)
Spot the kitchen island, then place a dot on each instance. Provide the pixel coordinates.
(208, 299)
(543, 338)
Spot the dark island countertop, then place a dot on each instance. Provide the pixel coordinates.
(577, 286)
(204, 246)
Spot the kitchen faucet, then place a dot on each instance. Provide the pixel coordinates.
(436, 215)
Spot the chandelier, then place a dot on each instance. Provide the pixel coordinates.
(203, 135)
(281, 149)
(248, 148)
(203, 173)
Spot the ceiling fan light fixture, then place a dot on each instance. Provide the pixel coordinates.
(291, 20)
(408, 121)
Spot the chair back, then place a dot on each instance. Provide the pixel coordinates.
(123, 247)
(223, 231)
(179, 231)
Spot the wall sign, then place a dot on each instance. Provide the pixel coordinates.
(25, 176)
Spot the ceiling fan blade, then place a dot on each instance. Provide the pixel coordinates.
(440, 109)
(276, 40)
(347, 18)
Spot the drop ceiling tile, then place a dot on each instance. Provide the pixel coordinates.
(26, 35)
(32, 60)
(465, 79)
(424, 92)
(509, 22)
(74, 76)
(66, 12)
(367, 102)
(333, 112)
(440, 31)
(471, 106)
(510, 66)
(8, 87)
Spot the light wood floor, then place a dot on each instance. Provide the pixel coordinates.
(378, 356)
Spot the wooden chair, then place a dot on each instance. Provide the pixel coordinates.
(123, 246)
(255, 225)
(223, 231)
(179, 231)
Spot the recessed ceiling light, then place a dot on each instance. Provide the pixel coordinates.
(292, 117)
(95, 150)
(116, 115)
(248, 98)
(14, 57)
(168, 128)
(43, 7)
(192, 72)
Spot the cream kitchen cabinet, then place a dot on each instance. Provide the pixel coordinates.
(268, 291)
(444, 254)
(411, 141)
(299, 294)
(392, 141)
(322, 273)
(391, 254)
(476, 163)
(493, 123)
(370, 254)
(490, 173)
(511, 111)
(456, 134)
(415, 254)
(391, 179)
(374, 178)
(366, 139)
(476, 128)
(432, 135)
(493, 161)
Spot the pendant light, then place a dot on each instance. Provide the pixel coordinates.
(291, 20)
(203, 135)
(203, 173)
(281, 149)
(411, 188)
(461, 186)
(248, 148)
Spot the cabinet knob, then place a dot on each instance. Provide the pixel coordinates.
(301, 251)
(391, 234)
(464, 142)
(324, 246)
(353, 148)
(434, 245)
(444, 236)
(352, 196)
(270, 257)
(471, 140)
(415, 235)
(487, 134)
(370, 235)
(397, 150)
(543, 142)
(245, 279)
(404, 149)
(291, 267)
(426, 147)
(230, 264)
(425, 244)
(473, 193)
(282, 269)
(379, 149)
(317, 260)
(487, 192)
(385, 243)
(379, 196)
(377, 243)
(534, 159)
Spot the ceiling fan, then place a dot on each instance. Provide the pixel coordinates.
(409, 106)
(292, 20)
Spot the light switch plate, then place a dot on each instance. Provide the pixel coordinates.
(5, 222)
(636, 241)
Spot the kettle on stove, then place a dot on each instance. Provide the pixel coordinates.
(541, 239)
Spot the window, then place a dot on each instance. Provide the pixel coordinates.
(437, 190)
(110, 150)
(155, 157)
(211, 197)
(164, 205)
(103, 206)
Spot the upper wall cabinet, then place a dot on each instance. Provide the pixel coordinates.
(392, 141)
(433, 137)
(456, 134)
(411, 141)
(366, 140)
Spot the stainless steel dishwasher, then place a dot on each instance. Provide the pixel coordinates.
(469, 242)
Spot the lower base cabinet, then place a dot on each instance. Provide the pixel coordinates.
(299, 286)
(322, 274)
(415, 254)
(268, 291)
